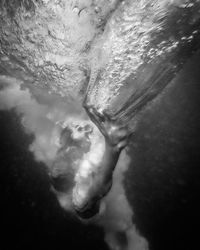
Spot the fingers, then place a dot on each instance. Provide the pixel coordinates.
(92, 111)
(101, 119)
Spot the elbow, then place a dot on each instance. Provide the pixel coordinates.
(86, 205)
(88, 211)
(89, 206)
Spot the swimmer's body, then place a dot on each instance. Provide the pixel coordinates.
(116, 139)
(98, 185)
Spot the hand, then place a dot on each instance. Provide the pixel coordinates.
(115, 134)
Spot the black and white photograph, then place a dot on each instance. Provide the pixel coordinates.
(99, 124)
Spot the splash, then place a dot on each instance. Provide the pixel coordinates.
(146, 45)
(60, 46)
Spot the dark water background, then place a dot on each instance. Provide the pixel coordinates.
(163, 181)
(164, 177)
